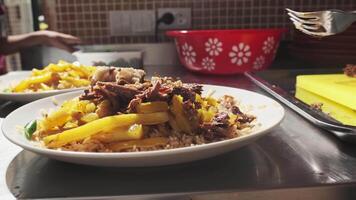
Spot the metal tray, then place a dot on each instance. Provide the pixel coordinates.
(281, 85)
(295, 155)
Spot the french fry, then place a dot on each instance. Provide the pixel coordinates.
(173, 123)
(211, 101)
(105, 124)
(177, 111)
(89, 117)
(76, 81)
(205, 115)
(73, 74)
(23, 85)
(232, 117)
(90, 107)
(44, 87)
(149, 142)
(56, 76)
(152, 107)
(54, 119)
(61, 116)
(37, 72)
(82, 71)
(70, 125)
(57, 68)
(133, 132)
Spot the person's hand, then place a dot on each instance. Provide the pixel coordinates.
(15, 43)
(58, 40)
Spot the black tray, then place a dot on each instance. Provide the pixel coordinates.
(281, 85)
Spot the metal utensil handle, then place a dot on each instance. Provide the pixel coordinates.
(300, 107)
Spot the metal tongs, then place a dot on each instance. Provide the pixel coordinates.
(322, 23)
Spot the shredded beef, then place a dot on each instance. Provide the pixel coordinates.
(104, 74)
(189, 109)
(242, 117)
(195, 88)
(221, 119)
(218, 128)
(119, 75)
(227, 101)
(213, 132)
(153, 93)
(118, 95)
(197, 105)
(317, 106)
(245, 118)
(104, 109)
(187, 91)
(157, 92)
(236, 110)
(95, 96)
(129, 75)
(124, 91)
(350, 70)
(121, 90)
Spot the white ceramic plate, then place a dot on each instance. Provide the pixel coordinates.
(12, 78)
(269, 114)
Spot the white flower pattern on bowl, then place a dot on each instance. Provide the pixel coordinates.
(268, 45)
(208, 63)
(188, 53)
(213, 46)
(240, 54)
(259, 62)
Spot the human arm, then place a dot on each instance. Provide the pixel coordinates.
(14, 43)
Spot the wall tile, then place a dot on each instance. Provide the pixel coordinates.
(88, 18)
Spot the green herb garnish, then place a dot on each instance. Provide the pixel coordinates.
(30, 128)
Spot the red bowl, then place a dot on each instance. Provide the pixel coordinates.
(227, 51)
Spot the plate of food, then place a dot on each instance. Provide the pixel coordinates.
(125, 120)
(26, 86)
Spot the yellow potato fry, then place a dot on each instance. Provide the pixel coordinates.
(37, 72)
(70, 104)
(73, 74)
(152, 107)
(177, 111)
(76, 82)
(149, 142)
(89, 117)
(90, 107)
(56, 76)
(232, 118)
(173, 123)
(70, 125)
(23, 85)
(54, 119)
(57, 68)
(81, 71)
(211, 101)
(133, 132)
(206, 115)
(45, 87)
(80, 106)
(105, 124)
(64, 84)
(104, 109)
(198, 98)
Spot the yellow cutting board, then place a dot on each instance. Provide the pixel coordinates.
(337, 111)
(335, 87)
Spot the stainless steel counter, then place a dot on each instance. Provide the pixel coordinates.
(294, 155)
